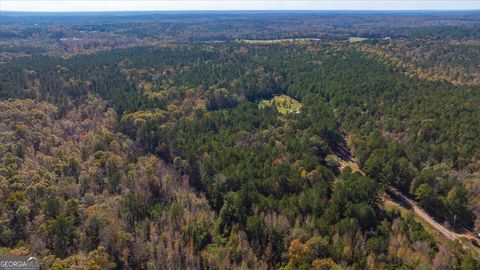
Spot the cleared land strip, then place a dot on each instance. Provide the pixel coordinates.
(397, 198)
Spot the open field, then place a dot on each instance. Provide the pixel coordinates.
(272, 41)
(283, 104)
(357, 39)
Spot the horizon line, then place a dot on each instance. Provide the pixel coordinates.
(233, 5)
(236, 10)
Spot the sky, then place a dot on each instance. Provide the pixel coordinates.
(150, 5)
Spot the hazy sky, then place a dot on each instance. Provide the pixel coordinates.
(131, 5)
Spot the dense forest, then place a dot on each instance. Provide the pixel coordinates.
(451, 60)
(160, 156)
(24, 34)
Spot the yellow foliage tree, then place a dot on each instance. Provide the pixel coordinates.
(325, 264)
(297, 251)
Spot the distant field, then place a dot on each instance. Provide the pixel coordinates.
(283, 104)
(271, 41)
(357, 39)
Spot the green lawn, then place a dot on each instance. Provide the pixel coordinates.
(283, 104)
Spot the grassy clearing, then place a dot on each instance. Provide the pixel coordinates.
(357, 39)
(283, 104)
(272, 41)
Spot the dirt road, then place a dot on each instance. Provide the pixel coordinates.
(397, 198)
